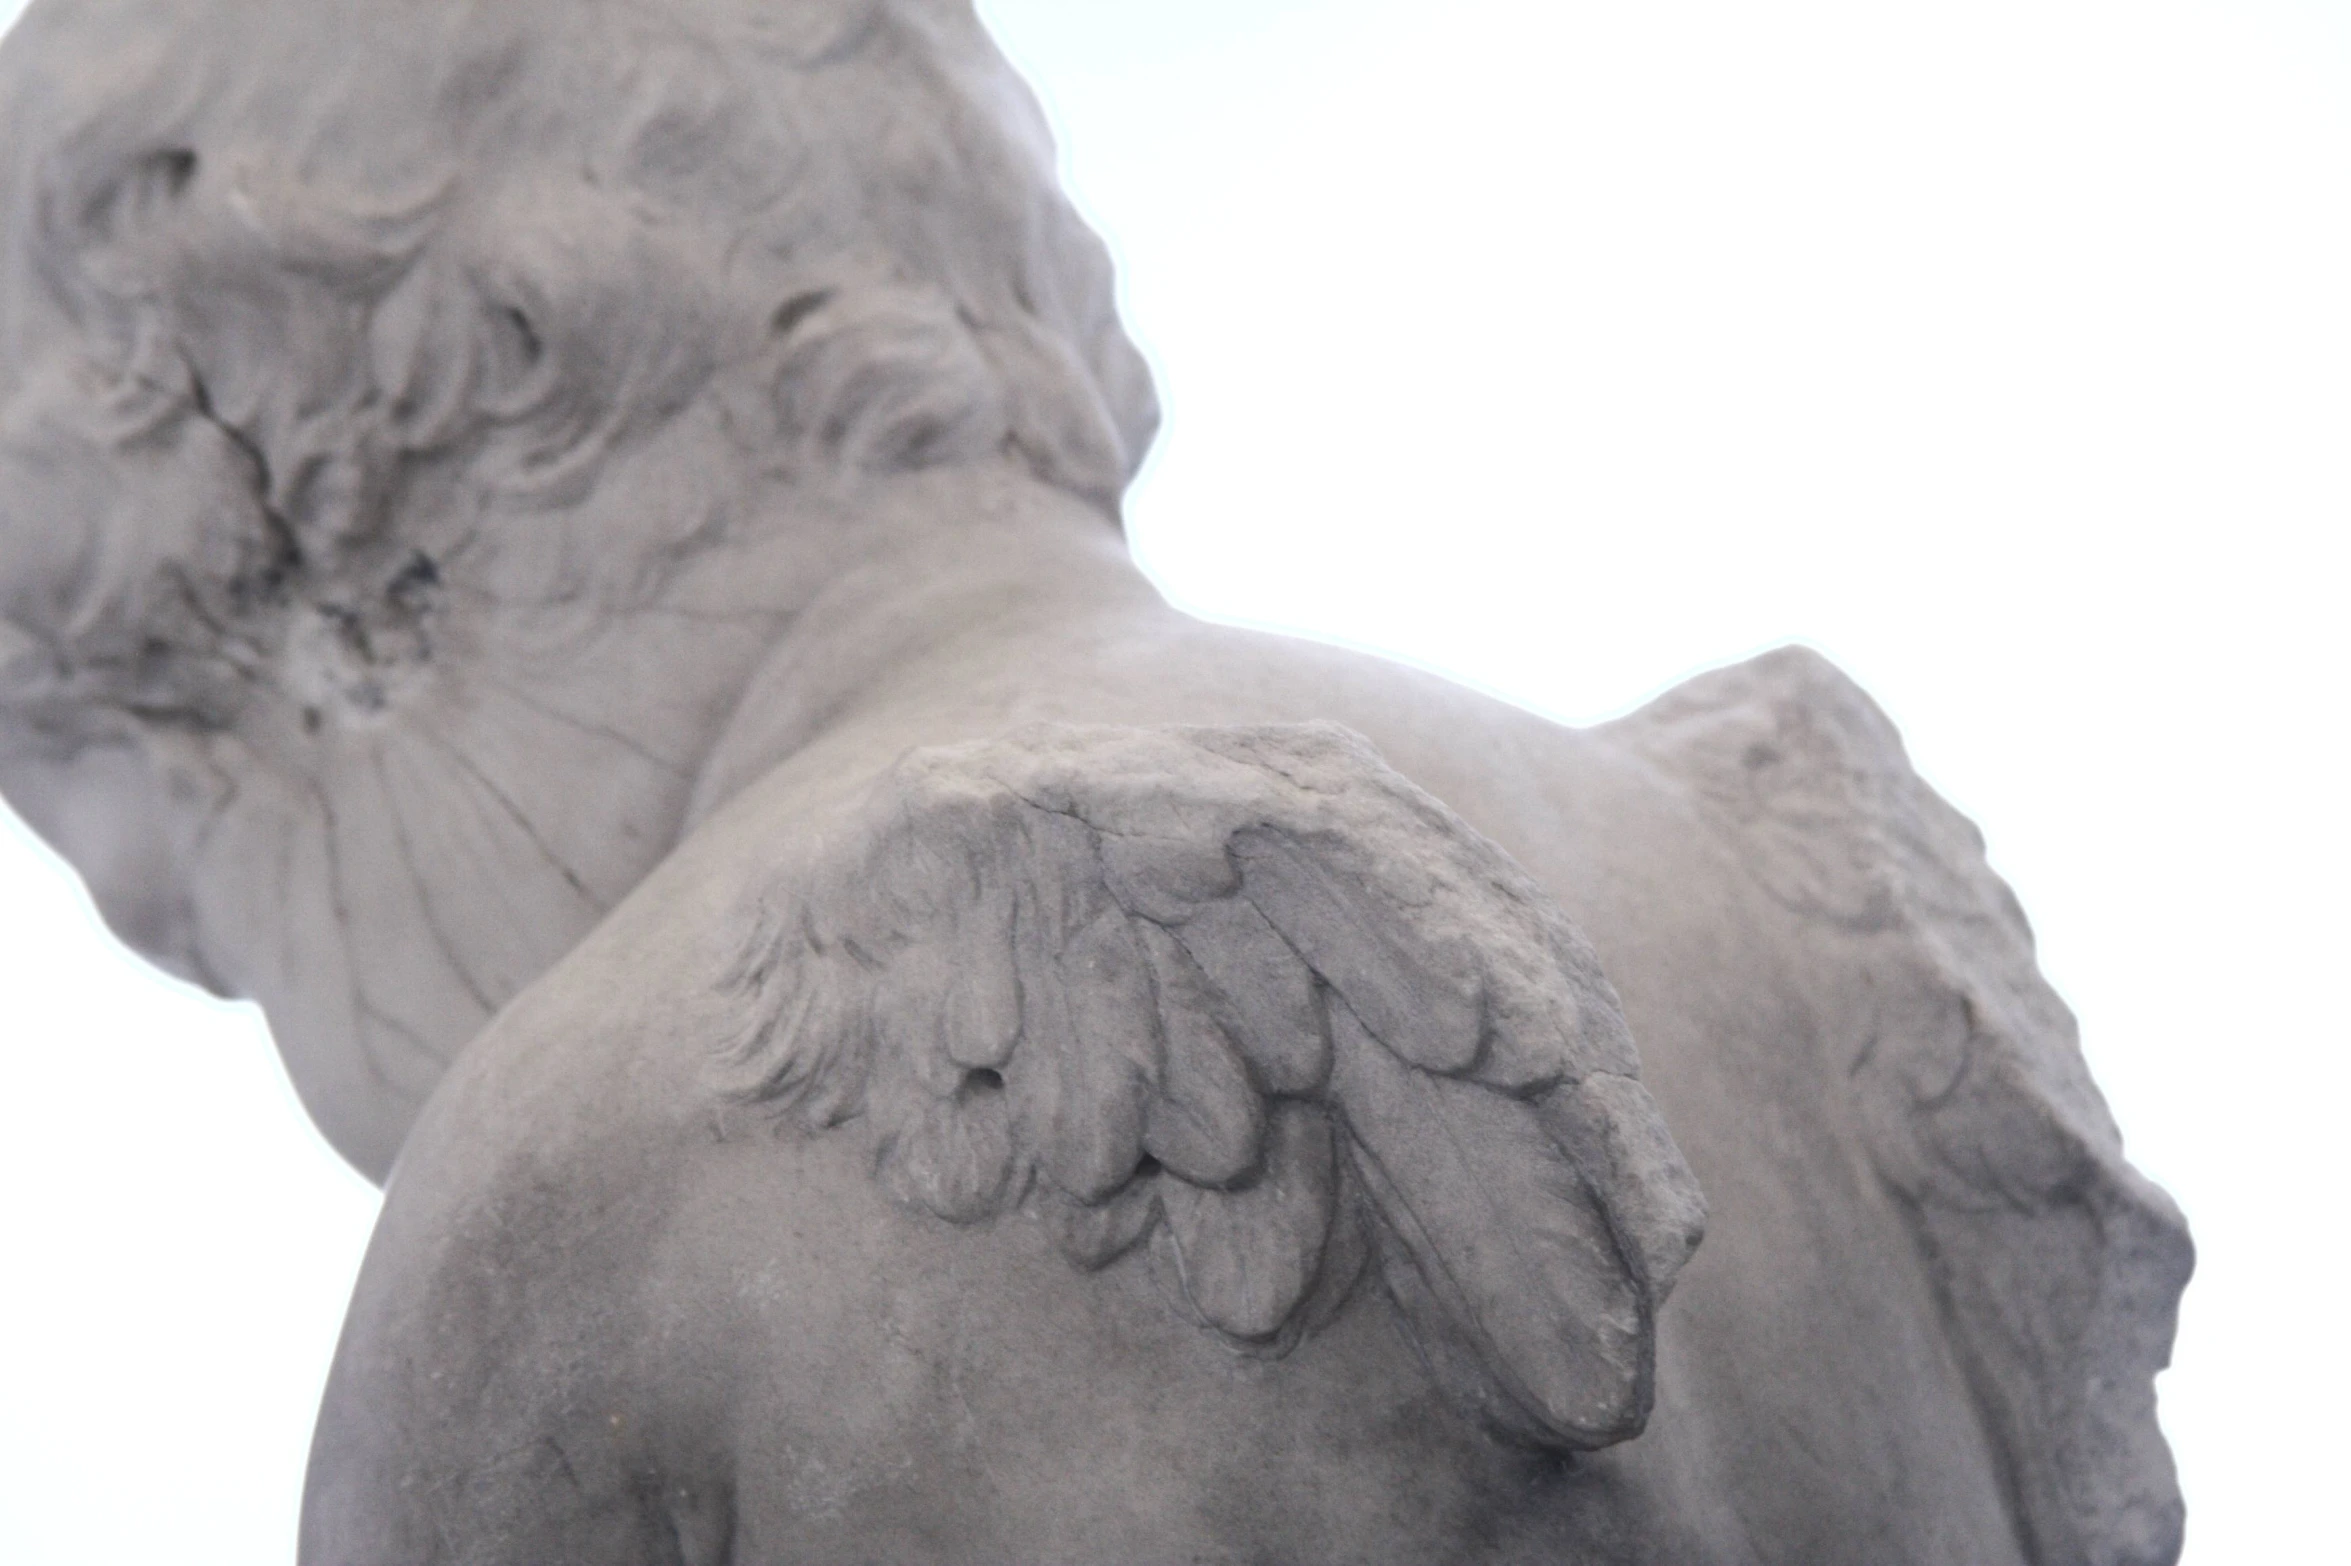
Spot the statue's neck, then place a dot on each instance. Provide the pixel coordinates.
(931, 560)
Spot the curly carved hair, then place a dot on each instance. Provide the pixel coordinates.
(269, 271)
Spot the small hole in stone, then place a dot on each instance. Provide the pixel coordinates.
(178, 168)
(984, 1080)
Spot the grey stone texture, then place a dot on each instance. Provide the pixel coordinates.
(570, 550)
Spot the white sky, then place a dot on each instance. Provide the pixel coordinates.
(2002, 350)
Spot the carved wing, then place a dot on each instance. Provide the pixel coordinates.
(2058, 1266)
(1251, 985)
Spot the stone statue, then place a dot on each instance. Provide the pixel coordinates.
(570, 549)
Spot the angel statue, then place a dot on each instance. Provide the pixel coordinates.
(570, 549)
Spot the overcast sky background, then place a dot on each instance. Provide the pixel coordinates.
(2000, 350)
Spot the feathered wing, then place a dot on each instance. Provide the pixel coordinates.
(2059, 1266)
(1251, 985)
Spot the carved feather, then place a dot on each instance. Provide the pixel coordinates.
(1207, 1120)
(1248, 1256)
(1513, 1250)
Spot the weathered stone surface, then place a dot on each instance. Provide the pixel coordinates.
(570, 550)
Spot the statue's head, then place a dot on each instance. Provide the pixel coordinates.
(392, 390)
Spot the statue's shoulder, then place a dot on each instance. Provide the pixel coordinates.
(2059, 1265)
(1790, 756)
